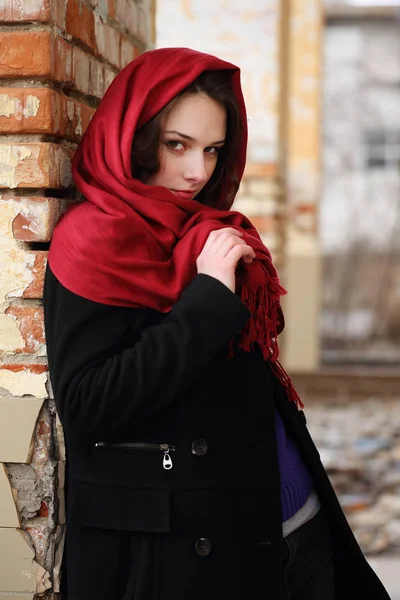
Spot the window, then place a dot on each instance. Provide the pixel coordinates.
(382, 149)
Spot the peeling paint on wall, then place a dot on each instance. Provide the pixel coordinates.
(7, 104)
(23, 383)
(14, 107)
(79, 128)
(10, 336)
(15, 264)
(10, 156)
(32, 107)
(36, 218)
(30, 324)
(70, 110)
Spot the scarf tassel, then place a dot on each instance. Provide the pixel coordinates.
(263, 303)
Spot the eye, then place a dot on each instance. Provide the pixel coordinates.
(213, 149)
(175, 145)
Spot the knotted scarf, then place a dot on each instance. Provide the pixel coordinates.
(132, 244)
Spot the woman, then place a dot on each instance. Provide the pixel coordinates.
(191, 473)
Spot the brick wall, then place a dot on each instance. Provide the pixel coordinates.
(57, 59)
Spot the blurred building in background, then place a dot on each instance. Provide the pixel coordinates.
(359, 233)
(360, 206)
(321, 81)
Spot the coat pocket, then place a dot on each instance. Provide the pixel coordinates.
(162, 449)
(120, 508)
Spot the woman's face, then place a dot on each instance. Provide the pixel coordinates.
(191, 136)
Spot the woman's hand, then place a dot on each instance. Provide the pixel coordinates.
(221, 254)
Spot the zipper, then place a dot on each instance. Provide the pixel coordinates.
(165, 448)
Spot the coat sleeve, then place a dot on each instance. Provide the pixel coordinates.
(102, 386)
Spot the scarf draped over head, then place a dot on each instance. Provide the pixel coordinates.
(132, 244)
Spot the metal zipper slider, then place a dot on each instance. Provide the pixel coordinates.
(167, 460)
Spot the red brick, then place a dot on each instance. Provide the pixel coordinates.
(127, 52)
(61, 60)
(81, 71)
(75, 117)
(59, 13)
(108, 42)
(80, 22)
(97, 86)
(25, 110)
(90, 75)
(39, 54)
(30, 322)
(111, 9)
(126, 15)
(41, 110)
(35, 165)
(143, 24)
(18, 368)
(73, 66)
(43, 428)
(35, 289)
(25, 54)
(78, 69)
(15, 11)
(43, 510)
(37, 218)
(109, 76)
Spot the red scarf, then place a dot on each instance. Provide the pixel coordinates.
(131, 244)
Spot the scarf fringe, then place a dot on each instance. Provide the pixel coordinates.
(264, 304)
(286, 381)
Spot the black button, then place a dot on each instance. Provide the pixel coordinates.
(203, 547)
(199, 447)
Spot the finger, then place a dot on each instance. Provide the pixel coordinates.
(230, 230)
(217, 235)
(227, 244)
(238, 252)
(249, 252)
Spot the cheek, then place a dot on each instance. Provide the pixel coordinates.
(210, 167)
(166, 166)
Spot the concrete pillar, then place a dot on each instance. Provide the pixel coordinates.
(301, 57)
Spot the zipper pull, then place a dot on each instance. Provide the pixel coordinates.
(167, 461)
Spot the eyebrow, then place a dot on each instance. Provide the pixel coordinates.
(191, 139)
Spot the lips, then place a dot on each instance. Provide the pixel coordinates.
(186, 194)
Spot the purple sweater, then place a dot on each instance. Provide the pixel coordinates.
(296, 482)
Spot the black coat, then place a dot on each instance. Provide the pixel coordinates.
(131, 376)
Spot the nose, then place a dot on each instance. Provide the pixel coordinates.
(195, 170)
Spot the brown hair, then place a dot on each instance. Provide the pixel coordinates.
(145, 147)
